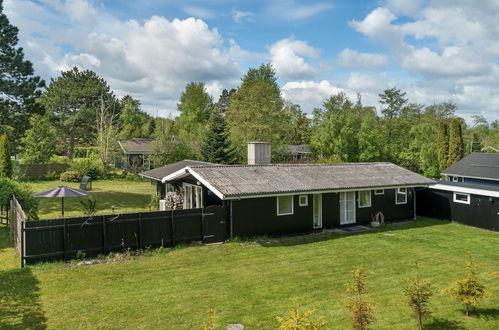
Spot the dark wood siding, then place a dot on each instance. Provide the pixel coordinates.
(482, 211)
(258, 216)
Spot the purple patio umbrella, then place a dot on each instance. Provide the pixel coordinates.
(61, 192)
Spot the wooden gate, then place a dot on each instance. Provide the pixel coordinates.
(214, 226)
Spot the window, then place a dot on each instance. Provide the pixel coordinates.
(455, 179)
(365, 198)
(461, 198)
(401, 196)
(379, 192)
(303, 200)
(284, 205)
(193, 196)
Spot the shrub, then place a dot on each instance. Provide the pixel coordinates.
(23, 194)
(89, 206)
(298, 320)
(132, 177)
(5, 161)
(418, 293)
(87, 166)
(468, 291)
(71, 176)
(362, 313)
(154, 201)
(211, 323)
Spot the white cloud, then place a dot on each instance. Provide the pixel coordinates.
(354, 59)
(289, 9)
(309, 94)
(366, 83)
(199, 12)
(152, 60)
(79, 10)
(240, 16)
(288, 58)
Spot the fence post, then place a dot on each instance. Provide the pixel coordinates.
(22, 242)
(173, 232)
(139, 232)
(64, 243)
(104, 234)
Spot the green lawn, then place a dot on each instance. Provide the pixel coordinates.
(252, 282)
(124, 195)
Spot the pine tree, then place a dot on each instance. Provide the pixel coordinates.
(298, 320)
(468, 291)
(362, 314)
(5, 161)
(216, 146)
(39, 144)
(443, 144)
(456, 145)
(19, 87)
(418, 292)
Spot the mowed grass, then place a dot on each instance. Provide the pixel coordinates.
(252, 282)
(125, 195)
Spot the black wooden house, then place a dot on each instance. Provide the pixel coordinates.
(469, 195)
(292, 198)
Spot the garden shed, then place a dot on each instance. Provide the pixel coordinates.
(135, 155)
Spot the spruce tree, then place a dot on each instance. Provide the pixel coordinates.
(5, 162)
(443, 144)
(456, 145)
(216, 146)
(468, 291)
(19, 87)
(40, 141)
(418, 292)
(362, 313)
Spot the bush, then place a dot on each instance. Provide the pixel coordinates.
(133, 177)
(23, 194)
(87, 166)
(71, 176)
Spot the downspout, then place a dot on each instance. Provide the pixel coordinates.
(231, 223)
(414, 206)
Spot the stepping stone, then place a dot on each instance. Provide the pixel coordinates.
(235, 326)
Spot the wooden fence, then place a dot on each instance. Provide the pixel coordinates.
(36, 171)
(17, 219)
(63, 239)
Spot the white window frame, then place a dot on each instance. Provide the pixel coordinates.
(397, 192)
(370, 199)
(455, 179)
(198, 196)
(459, 201)
(305, 203)
(292, 205)
(379, 192)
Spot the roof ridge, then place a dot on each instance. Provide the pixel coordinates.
(298, 165)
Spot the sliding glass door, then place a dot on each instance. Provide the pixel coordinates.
(347, 208)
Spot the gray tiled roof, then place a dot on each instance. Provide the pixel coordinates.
(137, 146)
(476, 165)
(240, 180)
(160, 172)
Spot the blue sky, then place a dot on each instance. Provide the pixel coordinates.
(445, 50)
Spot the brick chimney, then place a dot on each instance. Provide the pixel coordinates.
(258, 153)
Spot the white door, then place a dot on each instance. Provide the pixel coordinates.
(317, 206)
(347, 207)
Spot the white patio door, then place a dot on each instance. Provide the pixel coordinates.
(317, 206)
(347, 207)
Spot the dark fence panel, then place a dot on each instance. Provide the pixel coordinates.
(62, 239)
